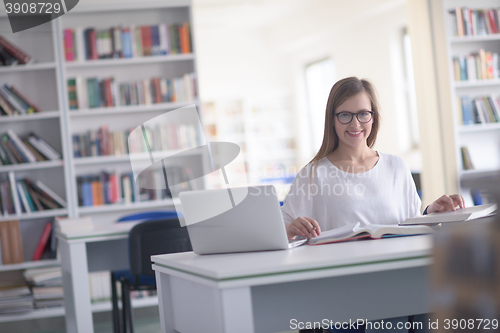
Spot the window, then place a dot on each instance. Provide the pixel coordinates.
(320, 77)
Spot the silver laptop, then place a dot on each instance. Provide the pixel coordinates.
(251, 222)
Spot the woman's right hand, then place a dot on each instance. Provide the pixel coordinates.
(303, 226)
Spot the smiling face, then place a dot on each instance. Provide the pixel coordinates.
(355, 133)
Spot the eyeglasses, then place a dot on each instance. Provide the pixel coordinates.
(346, 117)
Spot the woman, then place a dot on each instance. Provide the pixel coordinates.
(347, 181)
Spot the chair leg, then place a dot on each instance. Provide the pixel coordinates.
(127, 307)
(114, 300)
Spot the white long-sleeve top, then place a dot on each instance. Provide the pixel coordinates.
(385, 194)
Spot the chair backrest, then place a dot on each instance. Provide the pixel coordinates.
(155, 237)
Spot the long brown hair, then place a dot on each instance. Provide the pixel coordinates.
(341, 91)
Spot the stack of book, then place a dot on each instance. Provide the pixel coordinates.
(475, 22)
(11, 54)
(15, 299)
(36, 196)
(46, 284)
(164, 137)
(477, 66)
(126, 42)
(117, 187)
(84, 93)
(32, 148)
(478, 110)
(13, 102)
(11, 243)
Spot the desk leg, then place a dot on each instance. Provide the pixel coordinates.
(237, 312)
(165, 306)
(76, 288)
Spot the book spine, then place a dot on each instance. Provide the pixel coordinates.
(22, 194)
(15, 197)
(27, 194)
(68, 45)
(42, 242)
(20, 55)
(44, 147)
(17, 245)
(6, 243)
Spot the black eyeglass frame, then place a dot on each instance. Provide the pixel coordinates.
(352, 116)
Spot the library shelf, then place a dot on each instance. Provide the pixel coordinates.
(479, 128)
(28, 67)
(59, 311)
(474, 173)
(476, 83)
(481, 38)
(30, 264)
(136, 303)
(129, 109)
(122, 207)
(126, 158)
(33, 116)
(129, 61)
(31, 166)
(34, 314)
(35, 215)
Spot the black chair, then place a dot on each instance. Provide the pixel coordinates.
(145, 239)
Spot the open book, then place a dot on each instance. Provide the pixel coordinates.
(459, 215)
(357, 231)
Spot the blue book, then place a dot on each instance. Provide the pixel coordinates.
(87, 192)
(155, 40)
(126, 43)
(467, 112)
(76, 146)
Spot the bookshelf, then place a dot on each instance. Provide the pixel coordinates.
(45, 81)
(482, 140)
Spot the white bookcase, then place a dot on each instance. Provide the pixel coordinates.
(481, 140)
(45, 82)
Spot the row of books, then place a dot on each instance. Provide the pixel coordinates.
(11, 54)
(478, 110)
(14, 150)
(13, 102)
(477, 66)
(117, 187)
(84, 93)
(475, 22)
(126, 42)
(164, 137)
(27, 196)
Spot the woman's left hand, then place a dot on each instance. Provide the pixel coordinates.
(446, 203)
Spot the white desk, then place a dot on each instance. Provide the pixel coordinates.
(98, 249)
(263, 291)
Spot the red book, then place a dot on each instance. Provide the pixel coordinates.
(42, 243)
(491, 17)
(69, 50)
(157, 90)
(113, 181)
(93, 44)
(15, 51)
(146, 40)
(107, 90)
